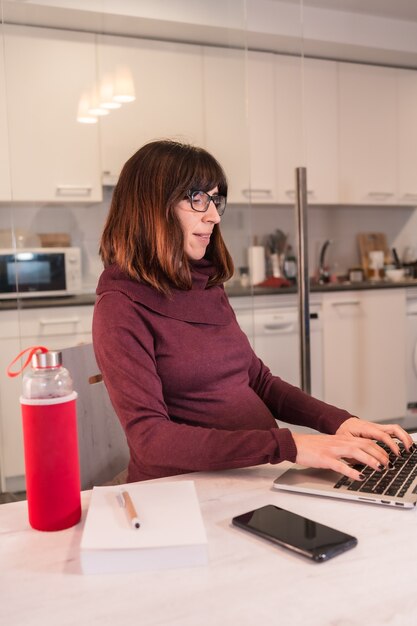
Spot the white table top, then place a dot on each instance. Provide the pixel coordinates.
(248, 580)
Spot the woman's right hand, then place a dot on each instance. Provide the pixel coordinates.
(328, 452)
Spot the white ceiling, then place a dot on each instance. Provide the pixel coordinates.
(371, 31)
(393, 9)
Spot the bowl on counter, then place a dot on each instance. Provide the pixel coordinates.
(395, 274)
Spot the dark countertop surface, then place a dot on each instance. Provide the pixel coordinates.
(233, 290)
(41, 303)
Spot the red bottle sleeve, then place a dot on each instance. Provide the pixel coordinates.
(52, 462)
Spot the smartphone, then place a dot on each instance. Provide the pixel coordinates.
(294, 532)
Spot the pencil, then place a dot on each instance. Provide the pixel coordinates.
(130, 510)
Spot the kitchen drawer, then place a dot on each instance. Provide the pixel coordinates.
(46, 322)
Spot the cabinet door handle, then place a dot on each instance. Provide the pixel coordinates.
(380, 195)
(284, 327)
(291, 192)
(409, 196)
(248, 193)
(74, 190)
(346, 303)
(64, 320)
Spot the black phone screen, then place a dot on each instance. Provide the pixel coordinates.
(292, 531)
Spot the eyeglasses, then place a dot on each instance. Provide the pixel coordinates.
(200, 201)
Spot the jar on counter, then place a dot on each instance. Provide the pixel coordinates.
(376, 265)
(244, 276)
(355, 275)
(290, 265)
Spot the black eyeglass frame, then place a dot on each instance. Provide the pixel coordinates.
(215, 198)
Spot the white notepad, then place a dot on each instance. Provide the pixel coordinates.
(171, 532)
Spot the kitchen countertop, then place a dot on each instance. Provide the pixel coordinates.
(84, 299)
(233, 290)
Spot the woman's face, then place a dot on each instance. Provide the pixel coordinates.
(197, 226)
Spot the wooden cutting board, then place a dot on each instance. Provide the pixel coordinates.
(372, 241)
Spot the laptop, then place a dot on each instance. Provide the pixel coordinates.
(392, 487)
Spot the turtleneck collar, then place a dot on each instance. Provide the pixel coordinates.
(201, 272)
(199, 304)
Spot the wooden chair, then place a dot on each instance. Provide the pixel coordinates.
(104, 453)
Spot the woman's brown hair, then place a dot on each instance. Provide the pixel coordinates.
(142, 234)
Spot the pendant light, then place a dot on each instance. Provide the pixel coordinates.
(83, 115)
(124, 88)
(107, 93)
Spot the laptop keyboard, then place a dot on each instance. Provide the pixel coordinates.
(389, 482)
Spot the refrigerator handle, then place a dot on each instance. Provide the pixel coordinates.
(415, 358)
(303, 278)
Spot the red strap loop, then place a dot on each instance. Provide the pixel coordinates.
(31, 351)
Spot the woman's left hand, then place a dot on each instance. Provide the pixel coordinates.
(380, 432)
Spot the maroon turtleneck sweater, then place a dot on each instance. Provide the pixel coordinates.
(188, 389)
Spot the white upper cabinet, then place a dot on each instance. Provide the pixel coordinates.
(226, 120)
(261, 115)
(52, 157)
(262, 121)
(368, 134)
(307, 127)
(240, 121)
(168, 87)
(407, 136)
(321, 123)
(5, 191)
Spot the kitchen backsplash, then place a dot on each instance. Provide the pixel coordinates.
(239, 226)
(341, 224)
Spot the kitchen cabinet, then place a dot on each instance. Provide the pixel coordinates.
(364, 347)
(368, 134)
(54, 328)
(378, 135)
(261, 120)
(226, 122)
(307, 127)
(5, 190)
(240, 121)
(52, 156)
(407, 136)
(168, 86)
(261, 114)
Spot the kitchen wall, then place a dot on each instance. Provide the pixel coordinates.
(83, 222)
(239, 225)
(340, 224)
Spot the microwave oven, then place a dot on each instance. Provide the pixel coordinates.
(39, 272)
